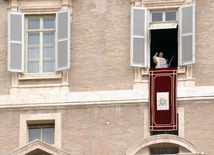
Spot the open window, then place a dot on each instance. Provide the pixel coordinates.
(165, 40)
(171, 32)
(38, 44)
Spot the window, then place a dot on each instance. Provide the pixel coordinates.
(41, 45)
(175, 132)
(155, 151)
(158, 16)
(43, 132)
(45, 127)
(171, 32)
(40, 56)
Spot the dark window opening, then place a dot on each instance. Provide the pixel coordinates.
(166, 41)
(155, 151)
(175, 132)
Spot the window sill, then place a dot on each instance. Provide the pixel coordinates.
(181, 70)
(56, 75)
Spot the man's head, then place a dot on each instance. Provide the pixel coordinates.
(161, 54)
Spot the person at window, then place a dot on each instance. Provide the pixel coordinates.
(159, 60)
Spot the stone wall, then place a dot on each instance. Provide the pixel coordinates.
(204, 43)
(5, 76)
(107, 130)
(100, 46)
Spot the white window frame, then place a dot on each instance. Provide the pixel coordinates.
(40, 31)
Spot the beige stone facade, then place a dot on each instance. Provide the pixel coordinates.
(100, 105)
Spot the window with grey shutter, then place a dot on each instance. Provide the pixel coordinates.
(187, 35)
(138, 36)
(16, 42)
(63, 40)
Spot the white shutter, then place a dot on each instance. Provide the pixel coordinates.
(138, 37)
(63, 40)
(187, 35)
(16, 42)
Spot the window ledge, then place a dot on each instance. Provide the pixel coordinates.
(57, 75)
(181, 70)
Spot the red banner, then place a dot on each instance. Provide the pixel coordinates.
(163, 99)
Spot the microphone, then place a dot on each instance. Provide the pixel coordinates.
(171, 60)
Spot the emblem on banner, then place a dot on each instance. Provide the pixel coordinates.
(162, 100)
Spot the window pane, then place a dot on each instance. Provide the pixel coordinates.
(48, 135)
(34, 134)
(48, 52)
(33, 52)
(33, 23)
(49, 23)
(155, 151)
(48, 38)
(157, 16)
(33, 67)
(33, 38)
(170, 16)
(48, 66)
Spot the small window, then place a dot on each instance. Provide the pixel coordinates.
(164, 132)
(164, 16)
(155, 151)
(44, 132)
(171, 16)
(157, 16)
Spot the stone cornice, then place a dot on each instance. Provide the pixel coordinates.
(14, 6)
(159, 4)
(39, 9)
(51, 98)
(37, 144)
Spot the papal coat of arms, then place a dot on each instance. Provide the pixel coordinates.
(162, 100)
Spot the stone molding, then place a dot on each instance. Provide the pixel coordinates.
(163, 138)
(37, 144)
(15, 6)
(42, 97)
(155, 4)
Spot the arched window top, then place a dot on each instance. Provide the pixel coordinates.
(164, 138)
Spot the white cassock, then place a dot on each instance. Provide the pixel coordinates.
(160, 62)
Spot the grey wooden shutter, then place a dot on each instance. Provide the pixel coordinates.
(187, 34)
(16, 42)
(138, 37)
(63, 40)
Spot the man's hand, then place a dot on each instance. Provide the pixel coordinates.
(156, 53)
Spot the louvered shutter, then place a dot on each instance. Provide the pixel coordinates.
(138, 36)
(187, 35)
(16, 42)
(63, 40)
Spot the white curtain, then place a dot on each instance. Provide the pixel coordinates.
(34, 134)
(33, 52)
(48, 135)
(48, 52)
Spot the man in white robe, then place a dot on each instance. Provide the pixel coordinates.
(159, 60)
